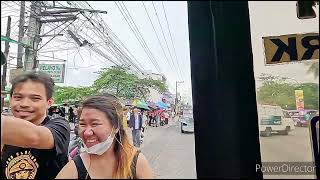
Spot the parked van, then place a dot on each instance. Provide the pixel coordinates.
(273, 119)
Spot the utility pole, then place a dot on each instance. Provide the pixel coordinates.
(35, 23)
(6, 53)
(176, 100)
(33, 33)
(21, 34)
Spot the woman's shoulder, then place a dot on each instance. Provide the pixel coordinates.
(69, 171)
(143, 168)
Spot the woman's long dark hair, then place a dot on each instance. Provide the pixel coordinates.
(123, 149)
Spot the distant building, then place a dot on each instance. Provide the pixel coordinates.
(168, 97)
(154, 76)
(154, 95)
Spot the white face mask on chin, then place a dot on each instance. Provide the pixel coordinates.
(102, 147)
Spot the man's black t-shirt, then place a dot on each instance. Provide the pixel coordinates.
(29, 163)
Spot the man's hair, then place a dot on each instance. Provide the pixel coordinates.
(40, 77)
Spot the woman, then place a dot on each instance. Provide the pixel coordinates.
(108, 153)
(125, 118)
(144, 124)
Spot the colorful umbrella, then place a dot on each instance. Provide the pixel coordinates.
(132, 102)
(135, 102)
(152, 105)
(142, 105)
(129, 103)
(162, 105)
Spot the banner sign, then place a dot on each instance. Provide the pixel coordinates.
(291, 48)
(56, 71)
(299, 99)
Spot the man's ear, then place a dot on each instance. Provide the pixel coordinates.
(50, 102)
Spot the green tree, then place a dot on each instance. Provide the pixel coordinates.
(313, 68)
(276, 91)
(72, 94)
(119, 81)
(116, 80)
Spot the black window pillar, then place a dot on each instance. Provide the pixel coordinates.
(223, 85)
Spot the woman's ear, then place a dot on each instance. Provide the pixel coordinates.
(117, 130)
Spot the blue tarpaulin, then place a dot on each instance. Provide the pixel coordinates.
(162, 105)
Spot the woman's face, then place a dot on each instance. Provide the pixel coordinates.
(94, 126)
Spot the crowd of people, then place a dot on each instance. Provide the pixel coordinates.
(66, 111)
(34, 144)
(138, 119)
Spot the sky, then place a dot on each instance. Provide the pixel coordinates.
(266, 19)
(178, 28)
(80, 70)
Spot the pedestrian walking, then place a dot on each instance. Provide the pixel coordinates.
(144, 124)
(150, 118)
(125, 118)
(135, 123)
(71, 115)
(108, 153)
(36, 146)
(166, 117)
(157, 119)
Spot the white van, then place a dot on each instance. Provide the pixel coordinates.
(274, 119)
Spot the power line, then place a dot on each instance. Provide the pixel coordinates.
(54, 36)
(97, 50)
(51, 25)
(116, 51)
(69, 48)
(102, 35)
(14, 24)
(174, 49)
(63, 29)
(112, 43)
(157, 36)
(140, 39)
(154, 60)
(165, 39)
(83, 67)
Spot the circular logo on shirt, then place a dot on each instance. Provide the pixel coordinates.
(23, 166)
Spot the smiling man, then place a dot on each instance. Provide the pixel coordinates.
(35, 146)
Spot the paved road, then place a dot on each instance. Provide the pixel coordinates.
(295, 147)
(169, 152)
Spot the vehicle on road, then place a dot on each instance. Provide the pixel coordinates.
(302, 118)
(187, 124)
(273, 119)
(187, 112)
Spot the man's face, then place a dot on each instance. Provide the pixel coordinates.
(136, 110)
(29, 101)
